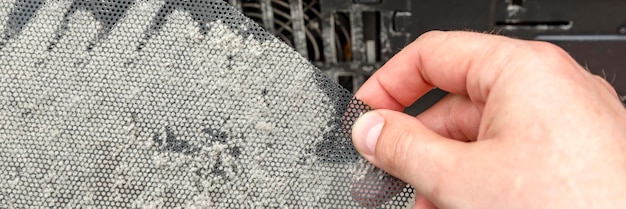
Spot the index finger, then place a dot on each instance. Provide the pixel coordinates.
(465, 63)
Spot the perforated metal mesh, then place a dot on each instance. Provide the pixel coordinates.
(165, 104)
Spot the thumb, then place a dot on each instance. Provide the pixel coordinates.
(405, 148)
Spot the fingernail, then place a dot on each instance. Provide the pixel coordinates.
(366, 131)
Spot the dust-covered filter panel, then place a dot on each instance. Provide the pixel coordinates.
(171, 104)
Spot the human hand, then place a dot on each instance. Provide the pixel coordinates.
(525, 126)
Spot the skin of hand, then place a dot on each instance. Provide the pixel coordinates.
(524, 126)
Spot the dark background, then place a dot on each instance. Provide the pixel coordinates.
(350, 39)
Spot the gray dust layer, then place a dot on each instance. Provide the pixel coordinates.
(193, 119)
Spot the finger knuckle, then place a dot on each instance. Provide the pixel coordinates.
(604, 83)
(431, 35)
(553, 59)
(600, 79)
(549, 50)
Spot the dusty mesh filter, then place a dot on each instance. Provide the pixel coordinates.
(164, 104)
